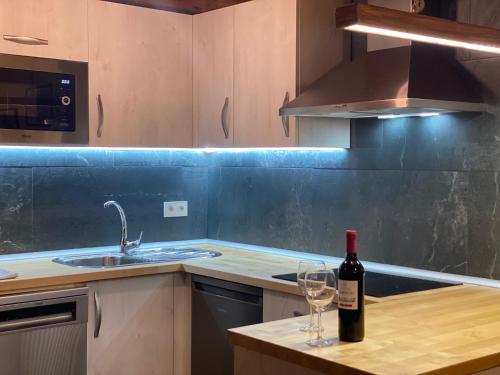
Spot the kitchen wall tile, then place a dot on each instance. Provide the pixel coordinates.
(484, 224)
(54, 157)
(16, 216)
(159, 158)
(68, 204)
(259, 206)
(415, 219)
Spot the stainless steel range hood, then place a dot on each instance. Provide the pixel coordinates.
(410, 80)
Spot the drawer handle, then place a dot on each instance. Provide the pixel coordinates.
(35, 322)
(100, 113)
(223, 116)
(297, 314)
(98, 314)
(26, 40)
(286, 119)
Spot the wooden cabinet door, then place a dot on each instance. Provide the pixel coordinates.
(213, 48)
(265, 70)
(61, 23)
(136, 330)
(141, 76)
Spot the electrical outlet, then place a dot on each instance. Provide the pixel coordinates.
(175, 209)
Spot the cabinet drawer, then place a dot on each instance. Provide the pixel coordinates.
(54, 29)
(279, 305)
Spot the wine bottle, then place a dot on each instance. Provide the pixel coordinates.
(351, 289)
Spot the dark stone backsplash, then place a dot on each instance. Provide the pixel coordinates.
(423, 192)
(53, 199)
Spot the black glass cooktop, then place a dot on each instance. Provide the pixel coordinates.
(383, 285)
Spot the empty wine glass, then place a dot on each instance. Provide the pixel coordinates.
(319, 286)
(304, 267)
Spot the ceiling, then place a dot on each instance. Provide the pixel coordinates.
(182, 6)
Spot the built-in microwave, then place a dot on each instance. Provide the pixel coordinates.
(43, 101)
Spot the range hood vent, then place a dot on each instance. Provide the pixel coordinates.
(411, 80)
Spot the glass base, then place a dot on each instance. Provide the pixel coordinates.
(321, 343)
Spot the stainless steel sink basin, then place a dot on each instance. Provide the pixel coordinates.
(151, 255)
(169, 254)
(99, 260)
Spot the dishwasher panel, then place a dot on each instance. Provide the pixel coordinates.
(218, 306)
(44, 333)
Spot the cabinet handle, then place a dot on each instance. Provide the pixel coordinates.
(98, 314)
(223, 116)
(286, 119)
(26, 40)
(100, 111)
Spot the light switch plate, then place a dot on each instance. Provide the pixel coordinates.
(175, 209)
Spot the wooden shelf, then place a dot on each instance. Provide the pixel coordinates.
(181, 6)
(396, 23)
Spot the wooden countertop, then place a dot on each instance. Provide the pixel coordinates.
(454, 330)
(237, 265)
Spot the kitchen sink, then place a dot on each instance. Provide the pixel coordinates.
(145, 256)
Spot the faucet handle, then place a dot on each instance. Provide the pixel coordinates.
(134, 244)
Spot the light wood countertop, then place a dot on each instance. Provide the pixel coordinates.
(445, 331)
(454, 330)
(237, 265)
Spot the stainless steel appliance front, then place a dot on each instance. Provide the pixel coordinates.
(43, 101)
(44, 333)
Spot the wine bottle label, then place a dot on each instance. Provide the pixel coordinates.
(348, 294)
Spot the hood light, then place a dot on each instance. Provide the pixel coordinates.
(423, 114)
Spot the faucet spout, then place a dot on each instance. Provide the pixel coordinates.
(125, 245)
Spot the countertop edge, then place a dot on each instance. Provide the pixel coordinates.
(298, 358)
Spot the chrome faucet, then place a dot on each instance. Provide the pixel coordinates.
(125, 245)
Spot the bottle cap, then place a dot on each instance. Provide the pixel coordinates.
(351, 241)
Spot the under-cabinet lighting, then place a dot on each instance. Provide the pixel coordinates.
(146, 149)
(404, 25)
(422, 38)
(423, 114)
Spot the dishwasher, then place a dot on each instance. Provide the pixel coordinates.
(44, 333)
(217, 306)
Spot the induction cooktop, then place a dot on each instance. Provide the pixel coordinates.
(383, 285)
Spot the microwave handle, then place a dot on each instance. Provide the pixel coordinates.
(100, 113)
(26, 40)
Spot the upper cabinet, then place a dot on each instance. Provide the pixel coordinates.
(213, 63)
(54, 29)
(141, 76)
(165, 79)
(265, 69)
(252, 58)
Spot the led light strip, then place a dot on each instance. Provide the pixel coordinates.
(422, 38)
(423, 114)
(146, 149)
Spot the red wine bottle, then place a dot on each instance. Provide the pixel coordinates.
(351, 288)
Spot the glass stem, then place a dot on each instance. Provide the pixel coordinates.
(311, 316)
(319, 337)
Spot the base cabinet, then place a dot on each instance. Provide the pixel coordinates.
(131, 328)
(278, 305)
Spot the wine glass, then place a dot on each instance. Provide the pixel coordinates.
(320, 291)
(304, 267)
